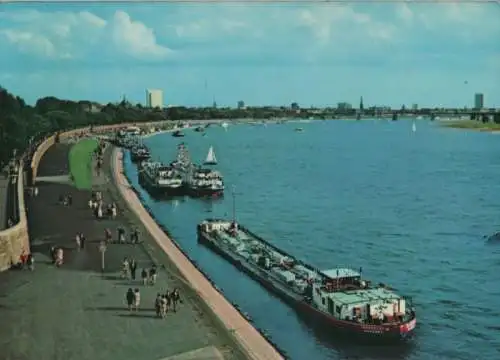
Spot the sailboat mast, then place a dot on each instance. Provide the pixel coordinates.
(234, 203)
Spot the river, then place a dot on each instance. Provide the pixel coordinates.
(411, 208)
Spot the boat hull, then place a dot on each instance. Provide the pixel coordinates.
(368, 332)
(139, 158)
(202, 192)
(158, 190)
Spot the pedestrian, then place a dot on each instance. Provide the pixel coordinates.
(31, 262)
(125, 268)
(82, 241)
(70, 200)
(130, 297)
(144, 276)
(137, 299)
(107, 235)
(158, 304)
(36, 191)
(175, 298)
(133, 268)
(53, 254)
(91, 203)
(152, 275)
(121, 235)
(164, 305)
(78, 242)
(59, 257)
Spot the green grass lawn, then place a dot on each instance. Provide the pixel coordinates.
(80, 163)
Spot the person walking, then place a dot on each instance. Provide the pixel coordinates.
(78, 242)
(130, 297)
(82, 241)
(31, 262)
(152, 275)
(137, 299)
(144, 276)
(175, 298)
(158, 305)
(133, 268)
(125, 268)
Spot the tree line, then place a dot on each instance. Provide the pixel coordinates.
(22, 124)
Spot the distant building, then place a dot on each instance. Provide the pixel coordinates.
(344, 106)
(154, 98)
(241, 104)
(361, 105)
(414, 107)
(478, 101)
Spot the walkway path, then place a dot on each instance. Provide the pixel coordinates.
(76, 312)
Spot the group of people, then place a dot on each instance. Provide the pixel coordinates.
(129, 271)
(25, 259)
(163, 302)
(96, 204)
(66, 200)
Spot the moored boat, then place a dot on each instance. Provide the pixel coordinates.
(161, 179)
(139, 153)
(205, 182)
(178, 133)
(339, 298)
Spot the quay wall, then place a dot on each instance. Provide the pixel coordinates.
(249, 339)
(254, 345)
(14, 240)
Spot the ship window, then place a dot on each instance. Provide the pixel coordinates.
(337, 309)
(323, 301)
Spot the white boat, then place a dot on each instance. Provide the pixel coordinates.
(211, 159)
(414, 127)
(224, 125)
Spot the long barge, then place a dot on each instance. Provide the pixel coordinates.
(339, 298)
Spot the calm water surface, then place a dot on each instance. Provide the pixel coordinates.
(410, 208)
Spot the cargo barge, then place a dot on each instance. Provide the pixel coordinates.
(339, 298)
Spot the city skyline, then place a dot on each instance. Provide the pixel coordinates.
(435, 55)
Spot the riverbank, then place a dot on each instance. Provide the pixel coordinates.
(76, 311)
(251, 341)
(471, 125)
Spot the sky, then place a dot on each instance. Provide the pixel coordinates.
(434, 55)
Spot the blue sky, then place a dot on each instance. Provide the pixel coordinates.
(265, 54)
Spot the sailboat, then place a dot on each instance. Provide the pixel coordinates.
(211, 159)
(413, 127)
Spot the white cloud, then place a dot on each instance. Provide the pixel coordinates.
(136, 38)
(28, 42)
(76, 34)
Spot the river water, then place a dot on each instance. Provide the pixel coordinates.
(411, 208)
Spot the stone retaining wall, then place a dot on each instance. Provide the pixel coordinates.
(15, 239)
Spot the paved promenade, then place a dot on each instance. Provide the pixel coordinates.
(256, 346)
(77, 313)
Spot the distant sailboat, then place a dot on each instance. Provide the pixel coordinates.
(211, 159)
(413, 127)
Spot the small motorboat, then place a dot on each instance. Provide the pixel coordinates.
(178, 133)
